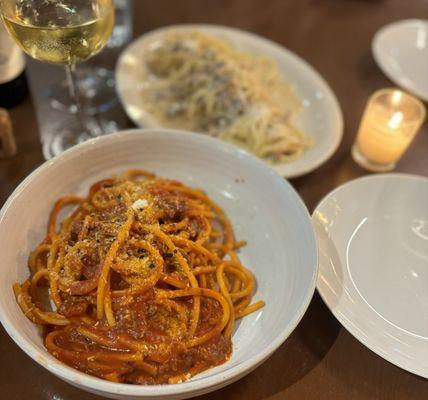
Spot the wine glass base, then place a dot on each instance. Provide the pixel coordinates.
(68, 132)
(67, 135)
(364, 162)
(96, 90)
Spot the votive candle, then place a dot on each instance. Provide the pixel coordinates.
(390, 122)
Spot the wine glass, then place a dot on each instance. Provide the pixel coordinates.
(96, 80)
(63, 32)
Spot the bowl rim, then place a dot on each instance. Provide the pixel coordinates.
(205, 384)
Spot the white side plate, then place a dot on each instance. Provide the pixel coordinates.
(373, 264)
(401, 51)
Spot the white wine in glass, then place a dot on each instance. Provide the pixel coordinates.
(62, 32)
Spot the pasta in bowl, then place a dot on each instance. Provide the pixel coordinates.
(262, 208)
(141, 288)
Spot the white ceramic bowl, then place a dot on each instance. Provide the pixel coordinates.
(401, 51)
(263, 208)
(373, 256)
(321, 116)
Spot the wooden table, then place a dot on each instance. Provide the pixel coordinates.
(320, 360)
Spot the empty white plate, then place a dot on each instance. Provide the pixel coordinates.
(321, 116)
(401, 51)
(373, 264)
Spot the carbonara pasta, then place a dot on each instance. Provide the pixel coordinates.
(202, 83)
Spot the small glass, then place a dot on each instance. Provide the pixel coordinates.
(122, 30)
(390, 122)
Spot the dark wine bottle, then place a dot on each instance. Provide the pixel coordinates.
(13, 83)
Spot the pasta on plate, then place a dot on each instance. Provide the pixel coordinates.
(202, 83)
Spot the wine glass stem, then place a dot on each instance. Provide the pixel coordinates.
(73, 88)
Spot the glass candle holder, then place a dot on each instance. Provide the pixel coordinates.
(390, 122)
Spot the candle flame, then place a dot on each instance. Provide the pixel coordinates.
(396, 97)
(395, 120)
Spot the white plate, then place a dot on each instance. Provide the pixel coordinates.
(401, 51)
(263, 208)
(372, 238)
(321, 117)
